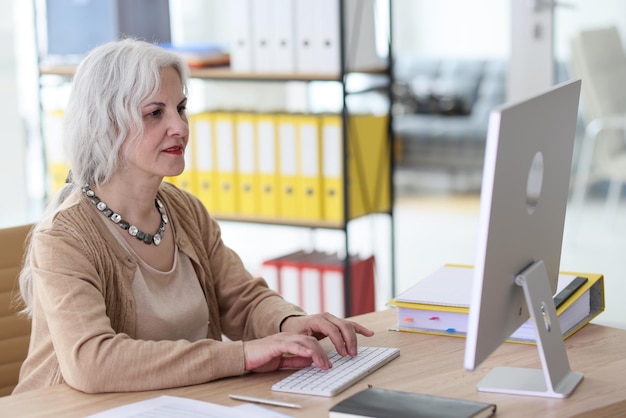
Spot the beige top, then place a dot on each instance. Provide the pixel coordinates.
(159, 316)
(85, 313)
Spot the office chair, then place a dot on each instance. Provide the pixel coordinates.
(598, 58)
(14, 329)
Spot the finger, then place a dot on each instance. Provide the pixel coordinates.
(342, 334)
(309, 347)
(360, 329)
(319, 357)
(348, 335)
(351, 340)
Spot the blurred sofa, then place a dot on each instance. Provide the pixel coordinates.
(441, 111)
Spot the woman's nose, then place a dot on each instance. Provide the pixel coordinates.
(179, 125)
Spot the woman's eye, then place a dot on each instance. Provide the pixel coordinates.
(156, 113)
(182, 109)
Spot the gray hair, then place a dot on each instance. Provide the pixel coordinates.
(104, 109)
(103, 113)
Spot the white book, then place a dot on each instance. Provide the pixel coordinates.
(241, 35)
(440, 303)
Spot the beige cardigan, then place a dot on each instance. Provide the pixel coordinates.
(84, 314)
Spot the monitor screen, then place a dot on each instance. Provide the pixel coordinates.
(524, 193)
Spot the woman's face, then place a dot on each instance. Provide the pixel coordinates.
(166, 130)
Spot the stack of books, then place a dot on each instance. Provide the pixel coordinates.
(439, 304)
(314, 280)
(287, 168)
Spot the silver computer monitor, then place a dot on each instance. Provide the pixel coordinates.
(524, 193)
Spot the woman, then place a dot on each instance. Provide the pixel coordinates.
(127, 280)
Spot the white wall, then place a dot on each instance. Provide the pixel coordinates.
(13, 203)
(481, 28)
(585, 14)
(452, 28)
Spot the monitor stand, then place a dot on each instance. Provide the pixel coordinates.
(556, 380)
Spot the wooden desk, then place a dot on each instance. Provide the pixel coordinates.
(427, 364)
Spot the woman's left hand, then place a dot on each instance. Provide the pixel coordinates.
(342, 333)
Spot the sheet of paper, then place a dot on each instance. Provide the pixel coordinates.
(452, 286)
(173, 406)
(429, 290)
(258, 411)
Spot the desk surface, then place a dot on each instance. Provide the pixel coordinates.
(427, 364)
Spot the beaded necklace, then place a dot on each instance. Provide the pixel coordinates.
(116, 218)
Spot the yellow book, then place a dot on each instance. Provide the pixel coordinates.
(288, 167)
(246, 148)
(202, 129)
(309, 167)
(226, 164)
(57, 173)
(439, 304)
(369, 168)
(266, 132)
(171, 179)
(187, 179)
(57, 163)
(332, 168)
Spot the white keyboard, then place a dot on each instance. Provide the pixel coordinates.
(346, 371)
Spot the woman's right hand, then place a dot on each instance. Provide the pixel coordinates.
(284, 350)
